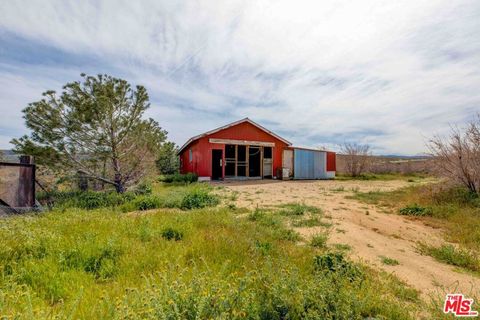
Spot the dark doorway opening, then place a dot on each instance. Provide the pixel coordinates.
(217, 156)
(254, 157)
(241, 161)
(267, 162)
(230, 160)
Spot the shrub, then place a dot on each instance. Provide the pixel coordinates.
(389, 261)
(113, 199)
(143, 189)
(457, 195)
(319, 240)
(91, 200)
(288, 235)
(199, 198)
(335, 263)
(454, 256)
(97, 259)
(456, 157)
(147, 202)
(357, 158)
(310, 222)
(263, 247)
(43, 196)
(342, 246)
(103, 263)
(179, 178)
(145, 232)
(172, 234)
(166, 178)
(416, 210)
(298, 209)
(190, 177)
(256, 215)
(266, 219)
(86, 199)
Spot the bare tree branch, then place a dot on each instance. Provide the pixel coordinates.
(457, 157)
(357, 157)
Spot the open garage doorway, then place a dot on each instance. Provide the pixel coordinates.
(248, 162)
(236, 161)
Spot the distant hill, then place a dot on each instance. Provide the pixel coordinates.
(8, 155)
(391, 164)
(419, 156)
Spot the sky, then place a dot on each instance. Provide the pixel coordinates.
(319, 73)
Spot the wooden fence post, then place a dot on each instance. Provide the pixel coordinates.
(26, 183)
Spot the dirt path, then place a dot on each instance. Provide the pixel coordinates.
(367, 229)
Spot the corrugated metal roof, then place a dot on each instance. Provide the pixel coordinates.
(308, 148)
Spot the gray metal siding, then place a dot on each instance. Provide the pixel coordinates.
(303, 164)
(320, 165)
(309, 164)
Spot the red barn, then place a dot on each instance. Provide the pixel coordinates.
(244, 149)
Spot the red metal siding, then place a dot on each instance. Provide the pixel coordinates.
(202, 148)
(331, 161)
(185, 164)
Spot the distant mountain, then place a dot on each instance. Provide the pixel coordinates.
(419, 156)
(8, 155)
(8, 152)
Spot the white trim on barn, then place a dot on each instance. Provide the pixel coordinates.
(242, 142)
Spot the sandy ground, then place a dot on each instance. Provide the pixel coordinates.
(370, 235)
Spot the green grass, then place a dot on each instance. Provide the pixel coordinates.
(309, 222)
(415, 210)
(301, 215)
(389, 261)
(319, 240)
(179, 178)
(298, 209)
(271, 220)
(452, 255)
(144, 197)
(188, 260)
(207, 263)
(405, 293)
(342, 247)
(410, 177)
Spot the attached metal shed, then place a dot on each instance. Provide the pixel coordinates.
(309, 163)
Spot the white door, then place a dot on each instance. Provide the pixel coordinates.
(287, 161)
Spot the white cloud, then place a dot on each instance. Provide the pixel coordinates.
(389, 73)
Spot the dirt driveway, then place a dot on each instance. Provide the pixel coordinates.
(371, 232)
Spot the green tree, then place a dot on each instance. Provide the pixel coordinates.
(168, 160)
(95, 126)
